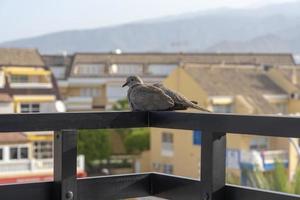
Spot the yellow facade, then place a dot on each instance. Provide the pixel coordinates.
(186, 156)
(32, 78)
(29, 71)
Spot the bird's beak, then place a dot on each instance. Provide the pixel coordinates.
(125, 84)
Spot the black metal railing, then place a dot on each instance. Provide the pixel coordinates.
(211, 186)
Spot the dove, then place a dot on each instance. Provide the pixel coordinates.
(143, 97)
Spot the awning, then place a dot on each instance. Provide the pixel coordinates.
(27, 71)
(34, 98)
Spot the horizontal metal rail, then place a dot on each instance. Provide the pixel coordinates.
(63, 121)
(270, 125)
(137, 185)
(211, 187)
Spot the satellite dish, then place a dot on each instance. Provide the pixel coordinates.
(60, 106)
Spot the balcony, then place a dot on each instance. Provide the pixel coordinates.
(211, 185)
(33, 165)
(79, 103)
(34, 85)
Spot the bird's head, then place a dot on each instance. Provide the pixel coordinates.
(133, 80)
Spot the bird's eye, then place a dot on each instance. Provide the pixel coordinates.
(132, 79)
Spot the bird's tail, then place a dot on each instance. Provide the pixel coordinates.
(199, 108)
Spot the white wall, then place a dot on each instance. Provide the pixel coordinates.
(2, 79)
(115, 92)
(6, 107)
(59, 72)
(47, 107)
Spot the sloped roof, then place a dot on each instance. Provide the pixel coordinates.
(204, 58)
(5, 97)
(57, 60)
(20, 57)
(13, 138)
(292, 73)
(250, 82)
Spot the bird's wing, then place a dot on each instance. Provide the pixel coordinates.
(177, 98)
(180, 102)
(129, 100)
(148, 97)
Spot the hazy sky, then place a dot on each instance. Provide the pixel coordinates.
(26, 18)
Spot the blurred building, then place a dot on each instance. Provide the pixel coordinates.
(245, 89)
(92, 81)
(58, 64)
(27, 85)
(240, 83)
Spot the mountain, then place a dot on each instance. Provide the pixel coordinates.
(267, 43)
(274, 28)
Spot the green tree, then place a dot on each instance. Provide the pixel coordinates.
(121, 105)
(137, 140)
(276, 180)
(280, 178)
(94, 144)
(296, 182)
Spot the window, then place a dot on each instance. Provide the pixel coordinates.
(24, 153)
(19, 79)
(197, 137)
(222, 108)
(89, 69)
(126, 69)
(30, 108)
(43, 149)
(156, 166)
(233, 158)
(167, 144)
(1, 154)
(18, 153)
(168, 169)
(13, 153)
(89, 92)
(161, 69)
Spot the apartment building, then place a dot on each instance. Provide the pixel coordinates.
(245, 89)
(92, 81)
(27, 82)
(27, 85)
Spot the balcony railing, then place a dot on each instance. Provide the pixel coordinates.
(33, 165)
(34, 85)
(79, 103)
(211, 186)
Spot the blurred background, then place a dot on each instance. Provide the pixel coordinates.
(73, 56)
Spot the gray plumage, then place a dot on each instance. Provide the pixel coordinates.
(155, 97)
(180, 102)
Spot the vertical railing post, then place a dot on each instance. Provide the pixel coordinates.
(65, 165)
(213, 155)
